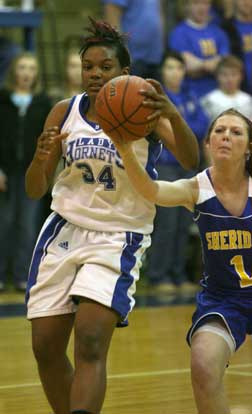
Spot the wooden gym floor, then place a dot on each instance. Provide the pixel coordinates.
(148, 367)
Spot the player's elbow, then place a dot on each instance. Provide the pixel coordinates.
(151, 192)
(33, 194)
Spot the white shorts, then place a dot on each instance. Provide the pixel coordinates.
(69, 261)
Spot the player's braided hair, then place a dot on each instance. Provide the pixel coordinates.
(103, 34)
(232, 111)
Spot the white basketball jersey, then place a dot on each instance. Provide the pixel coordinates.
(93, 191)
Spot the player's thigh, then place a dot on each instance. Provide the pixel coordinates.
(111, 270)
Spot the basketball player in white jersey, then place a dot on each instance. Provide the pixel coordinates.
(87, 257)
(221, 199)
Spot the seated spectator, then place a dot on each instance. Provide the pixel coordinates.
(167, 272)
(23, 110)
(239, 30)
(202, 45)
(229, 75)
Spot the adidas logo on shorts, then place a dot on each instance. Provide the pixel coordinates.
(64, 245)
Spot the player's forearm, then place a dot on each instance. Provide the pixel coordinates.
(36, 181)
(138, 176)
(187, 148)
(210, 65)
(162, 193)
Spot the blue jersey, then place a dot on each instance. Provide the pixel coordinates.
(226, 242)
(245, 32)
(142, 21)
(205, 43)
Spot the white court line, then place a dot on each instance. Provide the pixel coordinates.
(136, 375)
(240, 373)
(240, 366)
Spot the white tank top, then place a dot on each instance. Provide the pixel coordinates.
(93, 191)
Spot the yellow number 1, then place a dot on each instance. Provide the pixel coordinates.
(246, 280)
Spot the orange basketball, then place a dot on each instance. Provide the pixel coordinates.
(119, 108)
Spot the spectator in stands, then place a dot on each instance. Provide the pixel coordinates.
(72, 76)
(23, 110)
(143, 23)
(202, 45)
(229, 74)
(8, 51)
(239, 30)
(166, 264)
(73, 81)
(221, 9)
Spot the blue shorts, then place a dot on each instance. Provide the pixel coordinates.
(234, 311)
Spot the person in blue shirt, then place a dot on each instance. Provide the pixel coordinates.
(167, 272)
(221, 199)
(145, 32)
(201, 43)
(239, 30)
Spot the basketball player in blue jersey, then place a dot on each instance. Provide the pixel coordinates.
(221, 198)
(87, 257)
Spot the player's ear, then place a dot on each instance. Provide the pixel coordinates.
(125, 70)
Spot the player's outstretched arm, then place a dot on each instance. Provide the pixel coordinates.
(172, 128)
(163, 193)
(47, 154)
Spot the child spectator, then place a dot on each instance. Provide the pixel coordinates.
(229, 75)
(239, 30)
(171, 230)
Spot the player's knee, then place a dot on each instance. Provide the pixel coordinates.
(44, 349)
(89, 346)
(204, 375)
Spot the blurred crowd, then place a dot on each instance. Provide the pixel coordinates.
(200, 51)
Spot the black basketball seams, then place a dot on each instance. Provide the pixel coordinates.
(127, 122)
(127, 117)
(107, 103)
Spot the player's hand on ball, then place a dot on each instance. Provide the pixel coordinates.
(159, 101)
(47, 143)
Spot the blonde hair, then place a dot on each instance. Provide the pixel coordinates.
(10, 80)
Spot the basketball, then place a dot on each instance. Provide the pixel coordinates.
(120, 111)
